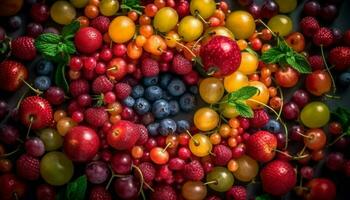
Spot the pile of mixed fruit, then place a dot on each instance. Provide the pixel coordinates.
(168, 100)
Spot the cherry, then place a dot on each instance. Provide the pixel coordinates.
(296, 40)
(34, 29)
(11, 187)
(335, 161)
(127, 187)
(287, 77)
(184, 153)
(307, 172)
(329, 13)
(150, 144)
(237, 152)
(9, 134)
(84, 100)
(127, 113)
(255, 10)
(320, 188)
(183, 8)
(312, 8)
(315, 139)
(296, 133)
(3, 109)
(318, 82)
(121, 163)
(106, 54)
(335, 128)
(40, 12)
(290, 111)
(45, 192)
(269, 9)
(75, 63)
(159, 155)
(119, 50)
(54, 95)
(301, 98)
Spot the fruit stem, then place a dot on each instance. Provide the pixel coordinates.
(290, 156)
(305, 136)
(31, 118)
(328, 70)
(201, 18)
(302, 151)
(15, 195)
(263, 23)
(185, 47)
(11, 153)
(337, 139)
(167, 146)
(194, 140)
(38, 92)
(211, 182)
(282, 99)
(141, 177)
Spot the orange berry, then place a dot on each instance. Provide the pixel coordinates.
(214, 21)
(232, 142)
(74, 75)
(137, 152)
(234, 132)
(253, 77)
(140, 40)
(267, 81)
(265, 48)
(115, 118)
(144, 20)
(275, 102)
(151, 10)
(215, 138)
(94, 2)
(155, 45)
(242, 44)
(234, 123)
(146, 30)
(134, 51)
(194, 49)
(220, 15)
(224, 130)
(232, 165)
(84, 21)
(91, 11)
(171, 39)
(265, 72)
(160, 3)
(133, 15)
(272, 91)
(59, 114)
(272, 67)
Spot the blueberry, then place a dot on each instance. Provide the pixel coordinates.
(42, 83)
(148, 81)
(44, 67)
(166, 95)
(160, 109)
(15, 22)
(153, 129)
(137, 91)
(182, 125)
(129, 101)
(153, 93)
(165, 80)
(167, 126)
(344, 79)
(142, 106)
(273, 126)
(194, 89)
(187, 102)
(176, 87)
(174, 107)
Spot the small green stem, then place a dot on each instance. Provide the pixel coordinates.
(328, 70)
(263, 23)
(337, 139)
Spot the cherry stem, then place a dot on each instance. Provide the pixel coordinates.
(302, 151)
(141, 177)
(11, 153)
(15, 195)
(198, 41)
(337, 139)
(194, 140)
(328, 70)
(185, 47)
(112, 68)
(282, 99)
(211, 182)
(290, 156)
(38, 92)
(201, 18)
(31, 118)
(305, 136)
(263, 23)
(332, 96)
(167, 146)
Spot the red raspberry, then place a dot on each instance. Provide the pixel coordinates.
(260, 119)
(122, 90)
(237, 193)
(223, 154)
(324, 36)
(316, 62)
(28, 167)
(23, 48)
(163, 192)
(176, 164)
(193, 171)
(101, 23)
(143, 135)
(149, 67)
(96, 117)
(148, 171)
(340, 57)
(102, 85)
(79, 87)
(99, 193)
(181, 65)
(309, 26)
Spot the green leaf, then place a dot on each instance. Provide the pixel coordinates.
(69, 47)
(343, 116)
(60, 77)
(76, 190)
(272, 55)
(131, 5)
(301, 64)
(46, 44)
(243, 109)
(243, 94)
(70, 29)
(263, 197)
(251, 51)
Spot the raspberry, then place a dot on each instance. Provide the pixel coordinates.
(23, 48)
(340, 57)
(28, 167)
(309, 26)
(222, 153)
(101, 23)
(316, 62)
(79, 87)
(176, 164)
(181, 65)
(163, 192)
(96, 117)
(99, 193)
(164, 173)
(149, 67)
(122, 90)
(143, 135)
(237, 193)
(260, 119)
(148, 171)
(102, 85)
(193, 171)
(324, 36)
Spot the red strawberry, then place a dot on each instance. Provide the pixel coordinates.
(340, 57)
(222, 55)
(102, 85)
(181, 65)
(101, 23)
(149, 67)
(278, 177)
(237, 193)
(11, 75)
(223, 154)
(148, 171)
(261, 146)
(11, 185)
(23, 48)
(143, 135)
(79, 87)
(193, 171)
(309, 26)
(324, 36)
(122, 90)
(163, 192)
(99, 193)
(316, 62)
(87, 40)
(96, 117)
(28, 167)
(36, 111)
(260, 119)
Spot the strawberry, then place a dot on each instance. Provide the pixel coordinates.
(122, 90)
(96, 117)
(35, 111)
(340, 57)
(149, 67)
(220, 55)
(278, 177)
(260, 119)
(143, 135)
(309, 26)
(11, 75)
(193, 171)
(99, 193)
(23, 48)
(237, 193)
(261, 146)
(28, 167)
(148, 171)
(316, 62)
(79, 87)
(87, 40)
(324, 36)
(181, 65)
(101, 23)
(223, 154)
(102, 85)
(163, 192)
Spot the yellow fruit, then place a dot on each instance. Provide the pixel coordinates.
(121, 29)
(241, 24)
(249, 63)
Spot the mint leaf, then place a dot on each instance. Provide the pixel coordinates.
(46, 44)
(301, 64)
(69, 47)
(69, 30)
(60, 77)
(273, 55)
(263, 197)
(131, 5)
(243, 94)
(76, 190)
(243, 109)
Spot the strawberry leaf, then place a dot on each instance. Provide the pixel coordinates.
(76, 190)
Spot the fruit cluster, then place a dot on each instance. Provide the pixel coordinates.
(171, 100)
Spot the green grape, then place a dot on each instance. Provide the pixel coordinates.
(227, 110)
(211, 90)
(194, 190)
(51, 138)
(190, 28)
(247, 169)
(315, 115)
(79, 3)
(281, 24)
(200, 145)
(222, 179)
(109, 7)
(206, 119)
(165, 19)
(56, 169)
(286, 6)
(205, 8)
(62, 12)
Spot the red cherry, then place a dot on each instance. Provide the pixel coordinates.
(11, 187)
(159, 155)
(287, 77)
(318, 82)
(296, 40)
(320, 189)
